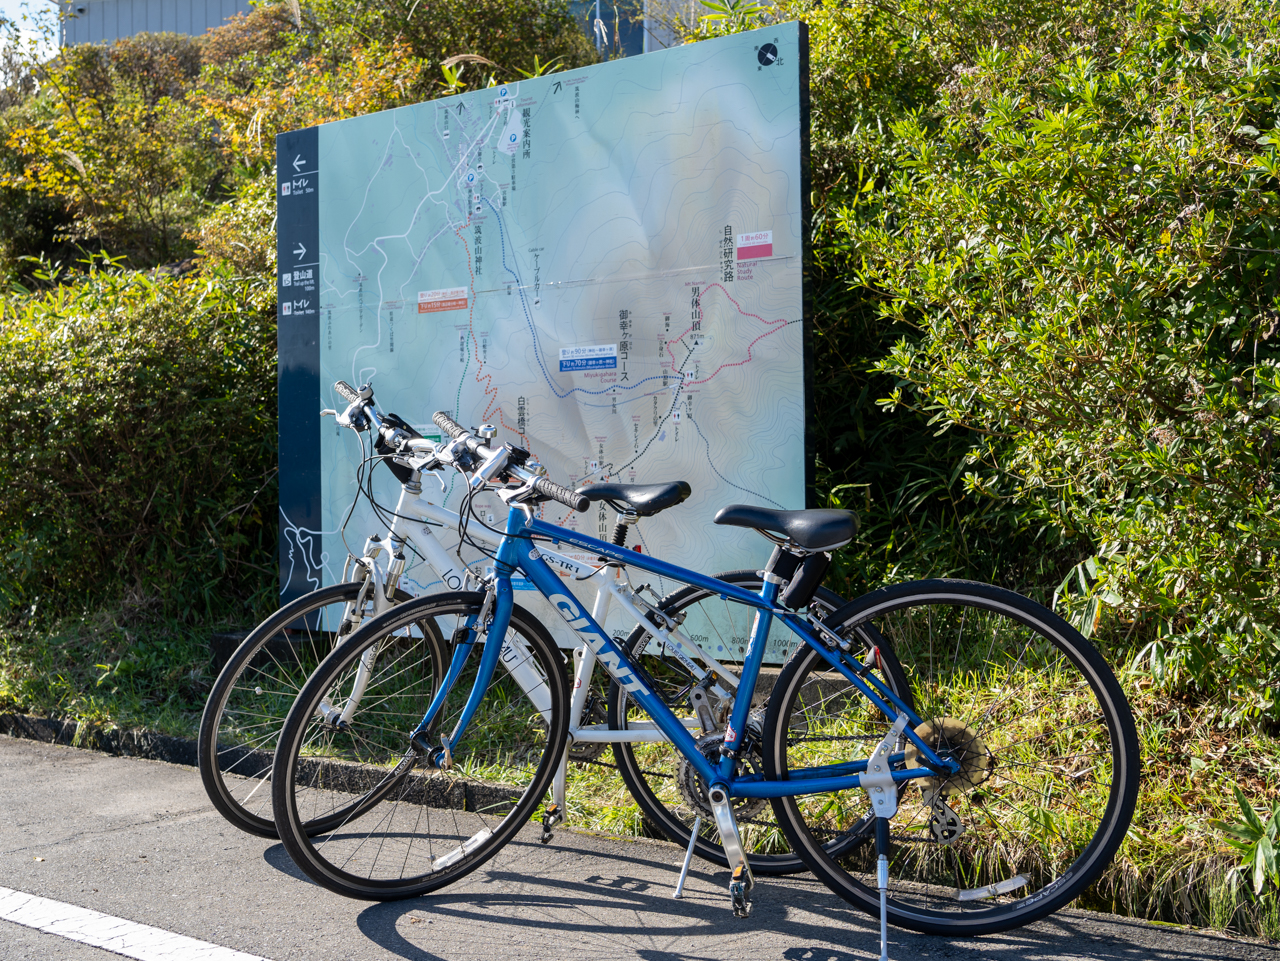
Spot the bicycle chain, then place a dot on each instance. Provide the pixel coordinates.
(614, 767)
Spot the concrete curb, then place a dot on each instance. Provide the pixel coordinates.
(122, 743)
(459, 795)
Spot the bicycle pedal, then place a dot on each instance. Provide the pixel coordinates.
(550, 818)
(740, 890)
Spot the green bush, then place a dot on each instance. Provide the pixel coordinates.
(111, 138)
(1080, 237)
(507, 32)
(139, 458)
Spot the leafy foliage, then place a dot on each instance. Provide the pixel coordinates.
(113, 140)
(1257, 842)
(510, 33)
(140, 452)
(240, 232)
(371, 78)
(1083, 245)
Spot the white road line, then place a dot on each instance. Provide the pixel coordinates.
(117, 935)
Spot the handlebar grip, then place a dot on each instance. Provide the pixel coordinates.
(447, 424)
(565, 496)
(346, 391)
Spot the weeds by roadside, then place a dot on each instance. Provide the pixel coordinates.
(135, 669)
(109, 669)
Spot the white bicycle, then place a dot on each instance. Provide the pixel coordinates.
(254, 691)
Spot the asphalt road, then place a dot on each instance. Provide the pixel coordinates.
(138, 840)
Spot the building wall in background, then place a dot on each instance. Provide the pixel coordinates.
(635, 35)
(101, 21)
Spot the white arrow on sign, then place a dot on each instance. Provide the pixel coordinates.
(298, 162)
(301, 251)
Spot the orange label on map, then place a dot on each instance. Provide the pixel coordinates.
(452, 298)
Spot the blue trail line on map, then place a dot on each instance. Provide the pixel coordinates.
(537, 350)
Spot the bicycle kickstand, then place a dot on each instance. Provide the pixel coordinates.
(742, 882)
(882, 882)
(688, 857)
(883, 794)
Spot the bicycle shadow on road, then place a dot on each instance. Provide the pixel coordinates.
(630, 913)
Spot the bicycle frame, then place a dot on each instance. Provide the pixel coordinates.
(517, 553)
(413, 519)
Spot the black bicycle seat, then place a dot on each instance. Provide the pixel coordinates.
(812, 530)
(645, 499)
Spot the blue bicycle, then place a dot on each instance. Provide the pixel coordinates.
(949, 755)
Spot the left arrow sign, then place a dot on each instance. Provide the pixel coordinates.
(298, 162)
(301, 251)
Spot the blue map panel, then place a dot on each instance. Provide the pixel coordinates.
(605, 263)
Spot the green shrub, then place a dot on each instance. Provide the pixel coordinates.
(507, 32)
(111, 138)
(1082, 242)
(140, 451)
(240, 233)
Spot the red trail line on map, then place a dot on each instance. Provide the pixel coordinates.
(485, 382)
(773, 325)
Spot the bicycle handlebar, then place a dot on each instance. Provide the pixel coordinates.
(540, 485)
(563, 495)
(346, 392)
(447, 424)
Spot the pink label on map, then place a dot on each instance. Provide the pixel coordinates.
(756, 245)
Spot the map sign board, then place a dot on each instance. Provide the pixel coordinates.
(605, 263)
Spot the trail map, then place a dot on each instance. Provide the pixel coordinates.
(606, 264)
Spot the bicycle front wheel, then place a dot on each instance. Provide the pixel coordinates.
(394, 828)
(1046, 743)
(255, 689)
(664, 785)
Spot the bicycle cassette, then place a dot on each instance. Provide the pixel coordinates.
(952, 739)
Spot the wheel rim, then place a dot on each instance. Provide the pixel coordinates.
(1044, 792)
(255, 704)
(389, 822)
(242, 722)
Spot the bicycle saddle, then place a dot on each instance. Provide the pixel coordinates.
(645, 499)
(812, 530)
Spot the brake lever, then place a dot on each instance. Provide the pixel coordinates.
(354, 416)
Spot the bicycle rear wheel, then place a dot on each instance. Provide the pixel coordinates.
(1046, 742)
(394, 828)
(663, 784)
(255, 689)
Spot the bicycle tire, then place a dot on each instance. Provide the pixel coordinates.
(253, 692)
(1045, 736)
(650, 771)
(406, 832)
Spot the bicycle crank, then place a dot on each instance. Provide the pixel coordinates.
(742, 881)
